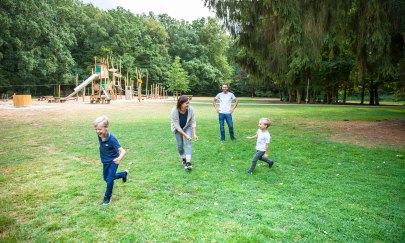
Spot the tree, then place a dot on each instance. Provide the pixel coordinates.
(202, 47)
(283, 40)
(178, 78)
(36, 42)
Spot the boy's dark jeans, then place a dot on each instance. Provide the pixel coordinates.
(110, 174)
(259, 156)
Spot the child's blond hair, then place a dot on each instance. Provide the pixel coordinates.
(266, 121)
(101, 120)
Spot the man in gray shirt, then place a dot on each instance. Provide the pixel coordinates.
(225, 110)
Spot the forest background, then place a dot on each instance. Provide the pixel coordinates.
(295, 50)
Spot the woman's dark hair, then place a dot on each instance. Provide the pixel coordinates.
(182, 99)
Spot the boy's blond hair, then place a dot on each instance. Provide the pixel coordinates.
(266, 121)
(102, 120)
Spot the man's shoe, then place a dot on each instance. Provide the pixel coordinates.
(188, 166)
(106, 201)
(249, 172)
(125, 178)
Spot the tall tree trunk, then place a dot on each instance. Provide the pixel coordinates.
(344, 93)
(377, 99)
(363, 67)
(363, 90)
(299, 96)
(336, 95)
(371, 92)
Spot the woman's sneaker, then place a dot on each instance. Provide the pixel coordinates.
(188, 166)
(106, 200)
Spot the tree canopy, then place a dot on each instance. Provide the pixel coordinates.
(292, 43)
(314, 51)
(50, 42)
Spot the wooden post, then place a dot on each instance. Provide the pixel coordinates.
(139, 90)
(84, 93)
(77, 84)
(59, 91)
(147, 81)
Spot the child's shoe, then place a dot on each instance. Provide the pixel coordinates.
(184, 162)
(106, 200)
(125, 178)
(249, 172)
(271, 163)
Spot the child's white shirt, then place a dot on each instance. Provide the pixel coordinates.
(263, 138)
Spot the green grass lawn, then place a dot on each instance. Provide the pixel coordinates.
(318, 190)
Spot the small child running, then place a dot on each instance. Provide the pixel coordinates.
(262, 144)
(111, 154)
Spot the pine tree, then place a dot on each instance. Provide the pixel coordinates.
(178, 78)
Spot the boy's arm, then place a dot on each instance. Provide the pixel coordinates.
(117, 160)
(252, 137)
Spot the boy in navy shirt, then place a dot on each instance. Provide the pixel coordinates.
(111, 154)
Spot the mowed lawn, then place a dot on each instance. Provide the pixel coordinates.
(319, 190)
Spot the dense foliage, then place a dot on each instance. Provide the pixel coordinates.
(315, 49)
(50, 42)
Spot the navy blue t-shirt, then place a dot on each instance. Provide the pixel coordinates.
(183, 119)
(109, 149)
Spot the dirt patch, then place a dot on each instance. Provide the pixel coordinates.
(370, 134)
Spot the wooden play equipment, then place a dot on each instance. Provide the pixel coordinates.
(129, 88)
(157, 92)
(22, 100)
(116, 79)
(103, 88)
(139, 83)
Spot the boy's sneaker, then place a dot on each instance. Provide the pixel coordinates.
(184, 162)
(106, 201)
(271, 163)
(188, 166)
(249, 172)
(125, 178)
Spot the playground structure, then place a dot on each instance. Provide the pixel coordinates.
(103, 88)
(156, 92)
(106, 85)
